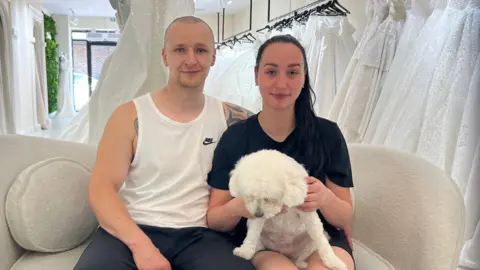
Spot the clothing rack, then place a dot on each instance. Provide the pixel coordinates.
(247, 36)
(320, 7)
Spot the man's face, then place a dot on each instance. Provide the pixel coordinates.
(189, 53)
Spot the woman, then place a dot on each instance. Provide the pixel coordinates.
(287, 123)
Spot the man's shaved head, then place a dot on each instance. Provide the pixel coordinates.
(187, 20)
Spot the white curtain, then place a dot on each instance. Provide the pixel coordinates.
(7, 125)
(40, 77)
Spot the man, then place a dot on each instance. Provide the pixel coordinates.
(148, 185)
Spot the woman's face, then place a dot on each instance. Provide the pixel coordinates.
(280, 75)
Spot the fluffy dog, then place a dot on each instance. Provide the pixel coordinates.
(268, 181)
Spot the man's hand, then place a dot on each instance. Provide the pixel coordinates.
(148, 257)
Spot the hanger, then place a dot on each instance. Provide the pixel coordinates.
(264, 28)
(341, 8)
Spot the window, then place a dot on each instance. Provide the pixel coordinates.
(88, 60)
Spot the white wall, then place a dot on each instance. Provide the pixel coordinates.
(23, 61)
(216, 26)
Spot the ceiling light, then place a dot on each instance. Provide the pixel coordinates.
(229, 2)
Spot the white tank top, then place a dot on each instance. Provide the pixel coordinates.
(167, 183)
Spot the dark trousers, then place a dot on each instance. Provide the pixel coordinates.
(185, 249)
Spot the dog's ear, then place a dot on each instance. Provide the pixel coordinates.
(294, 192)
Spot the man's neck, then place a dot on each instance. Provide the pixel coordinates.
(277, 124)
(180, 104)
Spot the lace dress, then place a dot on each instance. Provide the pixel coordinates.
(417, 13)
(363, 81)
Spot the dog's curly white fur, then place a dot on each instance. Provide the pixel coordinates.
(267, 180)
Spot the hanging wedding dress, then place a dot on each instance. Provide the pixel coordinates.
(232, 79)
(7, 124)
(439, 56)
(433, 107)
(466, 165)
(417, 13)
(363, 80)
(134, 68)
(330, 45)
(449, 135)
(384, 115)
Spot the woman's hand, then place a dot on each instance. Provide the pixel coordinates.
(316, 196)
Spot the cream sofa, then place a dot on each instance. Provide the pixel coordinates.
(408, 214)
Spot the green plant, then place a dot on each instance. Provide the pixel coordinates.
(51, 62)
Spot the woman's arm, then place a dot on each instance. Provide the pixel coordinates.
(333, 201)
(337, 206)
(224, 212)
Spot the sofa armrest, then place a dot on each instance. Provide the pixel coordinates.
(406, 209)
(19, 152)
(11, 252)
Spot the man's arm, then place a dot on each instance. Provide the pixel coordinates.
(235, 113)
(114, 155)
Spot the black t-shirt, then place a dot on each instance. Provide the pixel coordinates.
(247, 136)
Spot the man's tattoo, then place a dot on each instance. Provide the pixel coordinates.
(235, 113)
(135, 124)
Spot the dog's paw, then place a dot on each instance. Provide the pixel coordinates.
(301, 264)
(332, 262)
(245, 253)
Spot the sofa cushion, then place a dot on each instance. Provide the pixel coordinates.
(367, 259)
(61, 260)
(47, 206)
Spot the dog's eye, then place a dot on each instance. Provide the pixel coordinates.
(268, 201)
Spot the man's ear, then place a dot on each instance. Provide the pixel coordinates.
(214, 58)
(164, 57)
(256, 75)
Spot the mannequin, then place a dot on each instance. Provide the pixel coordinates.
(126, 75)
(65, 102)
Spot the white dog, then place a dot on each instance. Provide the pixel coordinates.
(267, 181)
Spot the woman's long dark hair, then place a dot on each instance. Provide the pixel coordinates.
(305, 117)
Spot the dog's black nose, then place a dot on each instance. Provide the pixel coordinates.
(258, 214)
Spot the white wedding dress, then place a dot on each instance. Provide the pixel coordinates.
(365, 75)
(232, 78)
(330, 46)
(438, 55)
(417, 12)
(133, 69)
(433, 103)
(328, 43)
(389, 101)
